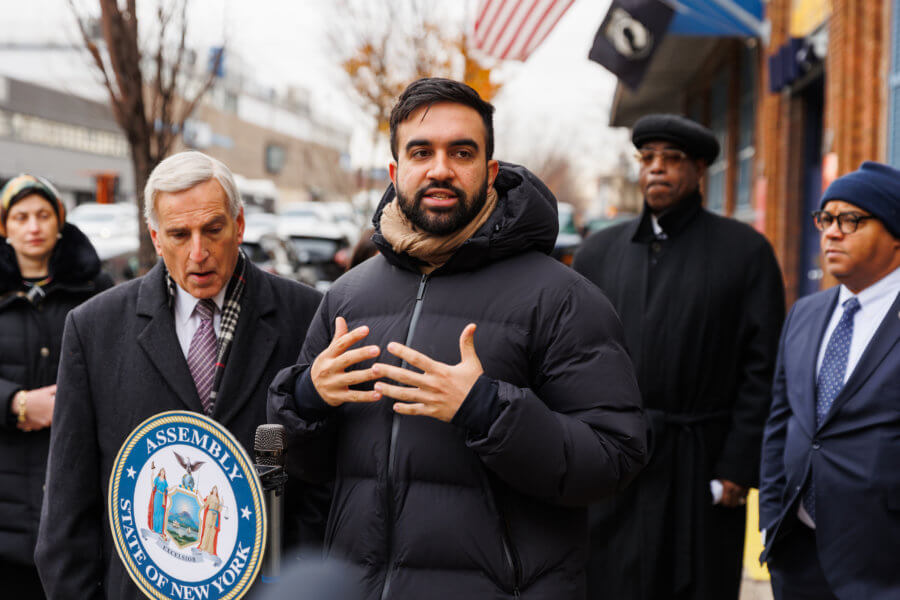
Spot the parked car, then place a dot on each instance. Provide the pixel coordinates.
(321, 246)
(273, 254)
(598, 223)
(118, 256)
(568, 240)
(345, 219)
(105, 221)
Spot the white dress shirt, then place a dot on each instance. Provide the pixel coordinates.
(187, 320)
(874, 303)
(657, 228)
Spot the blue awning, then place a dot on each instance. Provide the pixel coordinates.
(720, 18)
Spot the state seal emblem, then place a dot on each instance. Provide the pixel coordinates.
(186, 509)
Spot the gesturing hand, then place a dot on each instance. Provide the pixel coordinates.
(439, 391)
(328, 371)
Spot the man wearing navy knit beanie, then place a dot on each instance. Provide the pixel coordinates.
(830, 486)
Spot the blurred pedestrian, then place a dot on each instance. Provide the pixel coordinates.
(205, 330)
(701, 300)
(465, 472)
(47, 267)
(830, 484)
(365, 248)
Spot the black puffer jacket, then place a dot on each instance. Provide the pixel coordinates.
(491, 506)
(30, 337)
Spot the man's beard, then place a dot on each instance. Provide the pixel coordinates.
(444, 222)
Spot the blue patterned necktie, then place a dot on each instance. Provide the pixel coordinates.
(834, 364)
(201, 356)
(831, 380)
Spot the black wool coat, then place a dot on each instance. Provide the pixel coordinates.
(702, 310)
(30, 339)
(492, 505)
(121, 364)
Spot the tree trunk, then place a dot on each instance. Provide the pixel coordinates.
(143, 166)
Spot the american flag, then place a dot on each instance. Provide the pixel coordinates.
(512, 29)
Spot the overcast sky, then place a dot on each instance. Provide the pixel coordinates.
(557, 95)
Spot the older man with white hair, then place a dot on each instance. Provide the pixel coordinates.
(205, 330)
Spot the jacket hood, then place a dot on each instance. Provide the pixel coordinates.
(525, 219)
(74, 261)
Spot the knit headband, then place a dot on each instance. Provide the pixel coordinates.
(22, 186)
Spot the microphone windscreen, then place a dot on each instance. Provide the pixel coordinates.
(269, 444)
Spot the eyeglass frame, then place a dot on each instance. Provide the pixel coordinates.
(675, 158)
(843, 218)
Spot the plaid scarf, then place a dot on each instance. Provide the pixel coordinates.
(231, 310)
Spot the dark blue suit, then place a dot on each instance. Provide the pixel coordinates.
(853, 454)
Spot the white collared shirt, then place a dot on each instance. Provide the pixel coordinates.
(187, 321)
(874, 303)
(657, 228)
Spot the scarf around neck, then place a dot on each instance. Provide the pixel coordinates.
(433, 250)
(231, 311)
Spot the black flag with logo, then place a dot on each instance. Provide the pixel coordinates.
(628, 36)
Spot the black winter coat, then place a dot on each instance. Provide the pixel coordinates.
(492, 505)
(30, 338)
(701, 310)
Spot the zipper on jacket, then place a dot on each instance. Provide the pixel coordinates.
(512, 559)
(395, 426)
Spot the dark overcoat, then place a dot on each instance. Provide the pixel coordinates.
(121, 363)
(852, 454)
(702, 310)
(30, 339)
(494, 504)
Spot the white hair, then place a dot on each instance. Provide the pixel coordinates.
(183, 171)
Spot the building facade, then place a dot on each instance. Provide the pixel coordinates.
(807, 101)
(55, 121)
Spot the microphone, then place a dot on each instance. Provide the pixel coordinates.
(268, 448)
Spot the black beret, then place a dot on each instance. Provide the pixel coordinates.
(692, 137)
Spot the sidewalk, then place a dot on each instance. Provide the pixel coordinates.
(755, 590)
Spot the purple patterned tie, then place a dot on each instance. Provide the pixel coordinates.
(201, 357)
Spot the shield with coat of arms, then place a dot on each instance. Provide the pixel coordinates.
(183, 518)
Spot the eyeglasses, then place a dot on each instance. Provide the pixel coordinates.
(848, 222)
(670, 157)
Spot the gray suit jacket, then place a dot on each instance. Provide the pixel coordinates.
(121, 363)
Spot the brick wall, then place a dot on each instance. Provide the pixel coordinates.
(854, 121)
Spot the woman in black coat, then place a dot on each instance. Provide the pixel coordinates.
(47, 267)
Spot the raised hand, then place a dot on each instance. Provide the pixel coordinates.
(329, 371)
(440, 389)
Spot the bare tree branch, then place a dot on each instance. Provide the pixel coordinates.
(145, 107)
(384, 48)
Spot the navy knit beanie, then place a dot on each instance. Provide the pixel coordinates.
(873, 187)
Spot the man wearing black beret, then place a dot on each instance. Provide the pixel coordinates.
(702, 301)
(830, 487)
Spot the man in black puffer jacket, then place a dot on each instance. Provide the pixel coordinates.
(465, 470)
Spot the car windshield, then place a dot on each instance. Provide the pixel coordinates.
(94, 217)
(255, 252)
(314, 249)
(567, 221)
(304, 213)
